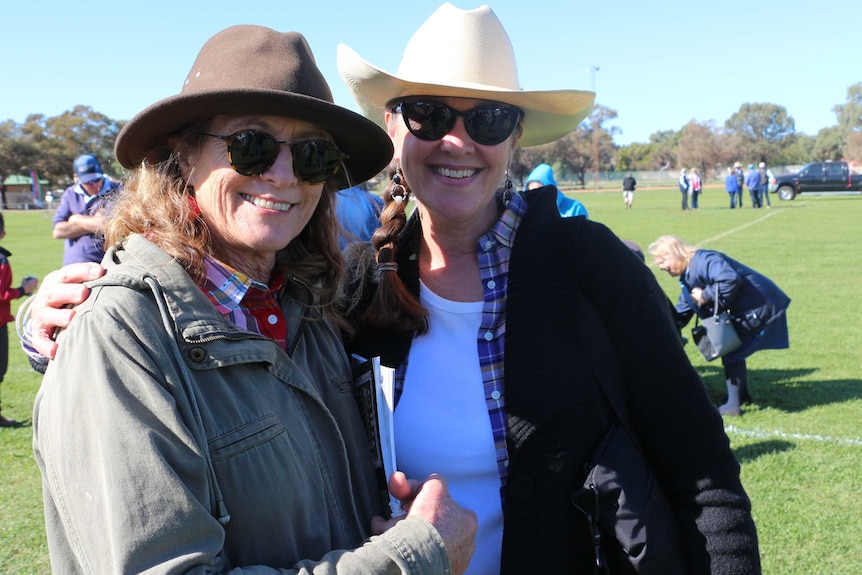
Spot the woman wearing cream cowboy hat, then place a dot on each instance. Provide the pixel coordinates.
(478, 295)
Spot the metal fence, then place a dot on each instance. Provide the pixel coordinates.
(652, 179)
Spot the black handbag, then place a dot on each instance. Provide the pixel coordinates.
(632, 524)
(716, 337)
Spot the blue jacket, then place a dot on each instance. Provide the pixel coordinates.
(756, 304)
(731, 184)
(568, 207)
(753, 180)
(358, 214)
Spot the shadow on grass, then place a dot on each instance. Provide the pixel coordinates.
(789, 390)
(749, 453)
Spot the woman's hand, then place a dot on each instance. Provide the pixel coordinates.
(697, 296)
(49, 311)
(432, 501)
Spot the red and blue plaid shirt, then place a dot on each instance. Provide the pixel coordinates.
(247, 303)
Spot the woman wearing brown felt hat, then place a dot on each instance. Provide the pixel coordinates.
(199, 416)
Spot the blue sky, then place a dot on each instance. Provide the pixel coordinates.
(660, 64)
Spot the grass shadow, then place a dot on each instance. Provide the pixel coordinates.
(789, 390)
(749, 453)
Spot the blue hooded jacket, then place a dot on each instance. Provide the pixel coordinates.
(569, 208)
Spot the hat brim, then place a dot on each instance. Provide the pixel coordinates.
(548, 114)
(144, 137)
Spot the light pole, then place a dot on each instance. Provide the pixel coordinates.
(592, 70)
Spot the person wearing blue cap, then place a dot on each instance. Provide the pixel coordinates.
(79, 219)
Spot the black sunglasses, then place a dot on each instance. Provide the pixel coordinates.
(252, 152)
(488, 124)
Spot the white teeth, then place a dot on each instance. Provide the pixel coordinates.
(458, 174)
(267, 204)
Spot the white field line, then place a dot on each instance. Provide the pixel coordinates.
(775, 434)
(768, 214)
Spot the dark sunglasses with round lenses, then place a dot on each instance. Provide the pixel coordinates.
(487, 124)
(252, 152)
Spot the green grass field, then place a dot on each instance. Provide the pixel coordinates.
(800, 445)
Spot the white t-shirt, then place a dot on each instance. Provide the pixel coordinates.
(442, 423)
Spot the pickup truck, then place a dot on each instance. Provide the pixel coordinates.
(818, 177)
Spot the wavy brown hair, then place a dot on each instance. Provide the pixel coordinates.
(155, 202)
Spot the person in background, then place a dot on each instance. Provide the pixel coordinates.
(684, 188)
(740, 181)
(474, 299)
(358, 213)
(731, 184)
(199, 413)
(758, 307)
(7, 294)
(629, 185)
(80, 217)
(695, 188)
(752, 180)
(766, 176)
(543, 175)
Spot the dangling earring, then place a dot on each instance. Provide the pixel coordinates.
(509, 186)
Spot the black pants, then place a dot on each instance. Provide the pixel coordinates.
(4, 352)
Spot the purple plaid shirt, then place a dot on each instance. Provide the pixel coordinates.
(494, 251)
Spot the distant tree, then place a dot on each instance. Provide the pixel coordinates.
(576, 152)
(658, 154)
(800, 152)
(699, 147)
(849, 116)
(525, 159)
(50, 145)
(573, 155)
(17, 154)
(829, 144)
(853, 150)
(634, 156)
(760, 131)
(850, 113)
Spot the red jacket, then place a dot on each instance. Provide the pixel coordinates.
(7, 292)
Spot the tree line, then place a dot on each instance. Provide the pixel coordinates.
(756, 132)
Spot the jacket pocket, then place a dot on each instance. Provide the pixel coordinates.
(246, 437)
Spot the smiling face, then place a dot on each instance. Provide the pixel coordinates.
(250, 218)
(454, 178)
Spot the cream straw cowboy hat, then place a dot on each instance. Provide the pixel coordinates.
(464, 53)
(255, 70)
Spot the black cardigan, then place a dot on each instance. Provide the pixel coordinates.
(557, 412)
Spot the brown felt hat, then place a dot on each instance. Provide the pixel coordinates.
(255, 70)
